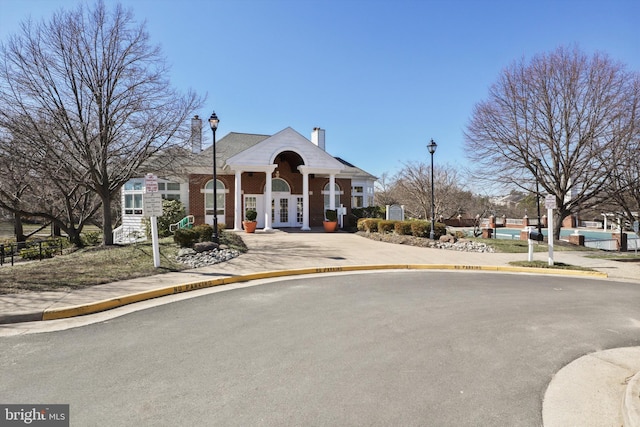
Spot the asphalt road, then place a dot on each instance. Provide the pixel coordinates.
(391, 348)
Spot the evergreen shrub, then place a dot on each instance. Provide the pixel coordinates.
(204, 232)
(186, 237)
(386, 226)
(403, 228)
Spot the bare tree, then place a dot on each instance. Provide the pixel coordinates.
(412, 187)
(26, 190)
(556, 119)
(88, 91)
(624, 187)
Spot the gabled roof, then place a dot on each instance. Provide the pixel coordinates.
(230, 145)
(265, 152)
(244, 150)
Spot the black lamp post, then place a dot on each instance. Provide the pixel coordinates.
(538, 198)
(213, 122)
(432, 149)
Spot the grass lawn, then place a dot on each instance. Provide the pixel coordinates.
(522, 246)
(545, 264)
(96, 265)
(6, 230)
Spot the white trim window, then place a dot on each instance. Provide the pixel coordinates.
(220, 197)
(169, 190)
(327, 195)
(133, 204)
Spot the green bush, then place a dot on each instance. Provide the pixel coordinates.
(44, 249)
(251, 215)
(331, 215)
(204, 231)
(386, 226)
(186, 237)
(403, 228)
(172, 212)
(423, 229)
(91, 238)
(420, 228)
(369, 225)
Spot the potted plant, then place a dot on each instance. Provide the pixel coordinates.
(331, 220)
(250, 223)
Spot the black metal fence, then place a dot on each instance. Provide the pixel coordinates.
(34, 250)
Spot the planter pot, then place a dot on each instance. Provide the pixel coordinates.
(249, 226)
(330, 226)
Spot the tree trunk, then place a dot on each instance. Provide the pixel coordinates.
(18, 230)
(75, 238)
(107, 227)
(558, 217)
(55, 230)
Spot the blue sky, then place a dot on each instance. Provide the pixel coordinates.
(382, 77)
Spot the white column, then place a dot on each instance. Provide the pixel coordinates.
(237, 223)
(267, 199)
(332, 191)
(305, 201)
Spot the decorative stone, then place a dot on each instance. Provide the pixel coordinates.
(204, 259)
(447, 238)
(205, 246)
(186, 251)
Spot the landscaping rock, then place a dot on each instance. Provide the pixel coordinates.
(447, 238)
(186, 251)
(206, 258)
(205, 246)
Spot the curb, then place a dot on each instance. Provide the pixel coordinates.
(111, 303)
(631, 402)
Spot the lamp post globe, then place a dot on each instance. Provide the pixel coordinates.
(213, 123)
(432, 149)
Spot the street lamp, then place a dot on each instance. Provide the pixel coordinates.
(213, 122)
(432, 149)
(538, 198)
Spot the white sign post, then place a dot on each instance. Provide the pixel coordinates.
(530, 242)
(152, 206)
(550, 204)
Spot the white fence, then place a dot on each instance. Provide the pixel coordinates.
(605, 244)
(633, 243)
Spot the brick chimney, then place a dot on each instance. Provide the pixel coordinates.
(196, 134)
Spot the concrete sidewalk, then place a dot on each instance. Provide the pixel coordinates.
(292, 249)
(594, 382)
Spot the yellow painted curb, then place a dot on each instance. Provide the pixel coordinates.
(108, 304)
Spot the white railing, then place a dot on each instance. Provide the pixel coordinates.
(185, 222)
(591, 224)
(126, 235)
(506, 236)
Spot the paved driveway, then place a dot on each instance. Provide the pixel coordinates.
(390, 348)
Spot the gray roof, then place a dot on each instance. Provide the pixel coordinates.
(354, 170)
(234, 143)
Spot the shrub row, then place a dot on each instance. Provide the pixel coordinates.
(186, 237)
(43, 249)
(417, 228)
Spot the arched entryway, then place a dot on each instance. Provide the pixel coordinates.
(286, 208)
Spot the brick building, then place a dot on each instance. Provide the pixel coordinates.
(288, 179)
